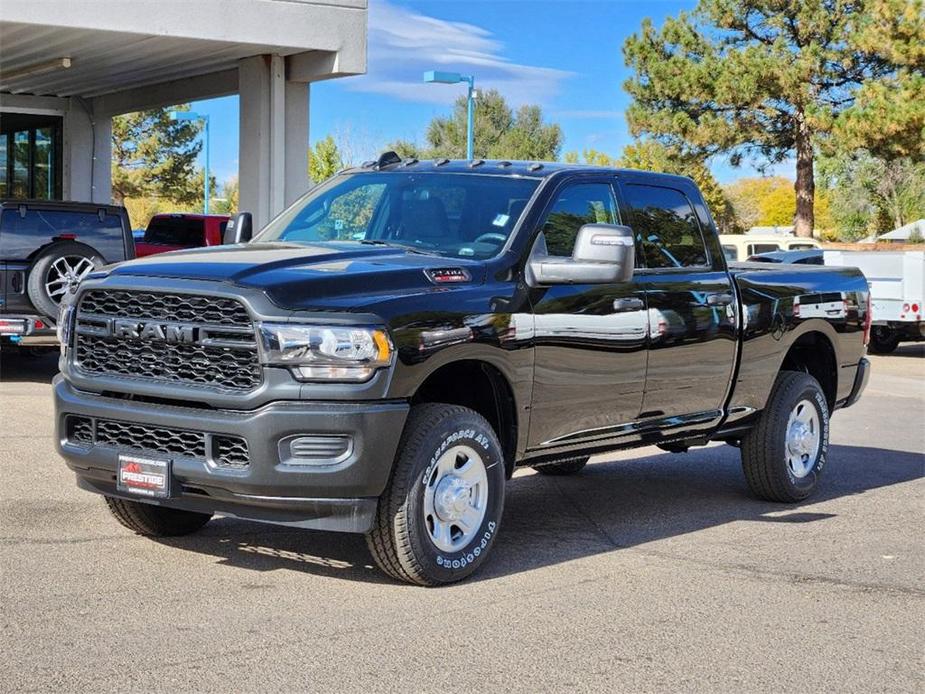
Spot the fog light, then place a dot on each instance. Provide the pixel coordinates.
(315, 449)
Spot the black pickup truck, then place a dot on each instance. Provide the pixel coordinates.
(382, 355)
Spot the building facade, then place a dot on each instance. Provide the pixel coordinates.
(68, 66)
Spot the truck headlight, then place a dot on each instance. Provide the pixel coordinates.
(326, 353)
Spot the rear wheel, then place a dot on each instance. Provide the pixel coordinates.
(784, 453)
(439, 515)
(56, 271)
(883, 340)
(155, 521)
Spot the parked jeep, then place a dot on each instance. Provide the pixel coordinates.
(385, 352)
(46, 248)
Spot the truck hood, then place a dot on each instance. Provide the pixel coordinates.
(341, 276)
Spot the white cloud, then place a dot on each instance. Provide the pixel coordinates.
(403, 44)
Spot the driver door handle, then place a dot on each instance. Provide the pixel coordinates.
(628, 304)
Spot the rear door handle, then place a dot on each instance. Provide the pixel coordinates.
(628, 304)
(719, 299)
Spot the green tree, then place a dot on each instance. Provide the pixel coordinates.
(872, 195)
(227, 201)
(153, 156)
(591, 157)
(324, 160)
(500, 133)
(776, 78)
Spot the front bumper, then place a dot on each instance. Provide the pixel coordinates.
(335, 496)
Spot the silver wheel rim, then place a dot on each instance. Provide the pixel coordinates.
(455, 498)
(65, 274)
(803, 438)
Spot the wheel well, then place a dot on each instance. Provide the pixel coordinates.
(813, 353)
(480, 387)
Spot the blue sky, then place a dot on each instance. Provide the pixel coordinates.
(564, 55)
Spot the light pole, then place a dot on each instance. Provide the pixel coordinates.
(455, 78)
(191, 115)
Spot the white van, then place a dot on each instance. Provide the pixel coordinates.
(742, 246)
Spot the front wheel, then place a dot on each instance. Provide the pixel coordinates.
(155, 521)
(784, 453)
(440, 513)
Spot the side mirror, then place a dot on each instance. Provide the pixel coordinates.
(603, 254)
(240, 228)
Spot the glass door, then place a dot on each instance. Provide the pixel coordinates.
(30, 156)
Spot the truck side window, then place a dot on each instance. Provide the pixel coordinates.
(576, 205)
(666, 227)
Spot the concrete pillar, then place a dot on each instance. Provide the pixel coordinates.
(87, 154)
(273, 147)
(297, 124)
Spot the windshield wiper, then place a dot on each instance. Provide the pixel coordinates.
(403, 246)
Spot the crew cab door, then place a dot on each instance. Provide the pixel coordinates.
(590, 358)
(691, 302)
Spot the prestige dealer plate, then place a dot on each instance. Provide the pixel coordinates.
(144, 476)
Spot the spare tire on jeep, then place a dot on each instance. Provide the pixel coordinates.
(56, 270)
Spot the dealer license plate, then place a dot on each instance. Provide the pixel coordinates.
(144, 476)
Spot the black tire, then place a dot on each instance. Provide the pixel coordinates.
(400, 540)
(155, 521)
(883, 340)
(44, 265)
(765, 448)
(570, 466)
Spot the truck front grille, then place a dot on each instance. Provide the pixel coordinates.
(174, 338)
(189, 444)
(226, 451)
(230, 451)
(180, 308)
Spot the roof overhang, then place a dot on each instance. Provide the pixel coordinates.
(94, 48)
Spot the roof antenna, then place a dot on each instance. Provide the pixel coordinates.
(387, 159)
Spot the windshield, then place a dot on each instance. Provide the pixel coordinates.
(463, 215)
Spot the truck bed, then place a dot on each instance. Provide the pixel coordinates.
(781, 303)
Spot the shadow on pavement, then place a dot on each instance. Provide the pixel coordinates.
(550, 520)
(914, 350)
(26, 366)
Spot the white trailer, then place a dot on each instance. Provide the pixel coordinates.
(897, 293)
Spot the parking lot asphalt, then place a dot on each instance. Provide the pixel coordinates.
(650, 571)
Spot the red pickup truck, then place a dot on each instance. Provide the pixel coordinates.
(173, 232)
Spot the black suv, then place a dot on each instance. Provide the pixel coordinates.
(47, 247)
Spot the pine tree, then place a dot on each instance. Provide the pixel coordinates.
(154, 156)
(775, 79)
